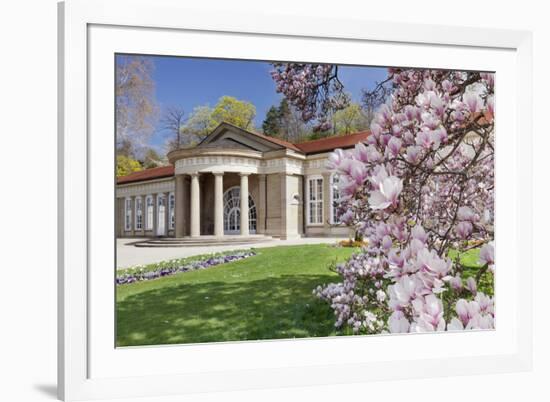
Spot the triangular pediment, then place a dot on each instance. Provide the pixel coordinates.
(228, 136)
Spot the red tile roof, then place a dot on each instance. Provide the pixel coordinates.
(277, 141)
(147, 174)
(309, 147)
(330, 143)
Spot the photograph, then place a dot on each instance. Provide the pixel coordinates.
(260, 200)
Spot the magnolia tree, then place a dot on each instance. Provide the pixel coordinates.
(314, 89)
(420, 190)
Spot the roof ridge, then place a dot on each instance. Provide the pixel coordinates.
(274, 140)
(147, 174)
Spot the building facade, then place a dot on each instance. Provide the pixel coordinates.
(236, 182)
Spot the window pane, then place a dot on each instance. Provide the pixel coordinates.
(335, 198)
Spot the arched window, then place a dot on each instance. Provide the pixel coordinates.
(128, 214)
(149, 210)
(139, 213)
(232, 212)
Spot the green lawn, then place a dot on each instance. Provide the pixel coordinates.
(470, 262)
(267, 296)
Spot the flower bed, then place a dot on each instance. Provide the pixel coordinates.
(171, 267)
(352, 243)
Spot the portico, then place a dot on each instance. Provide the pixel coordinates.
(227, 212)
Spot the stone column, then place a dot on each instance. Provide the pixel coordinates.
(155, 214)
(218, 204)
(166, 213)
(261, 207)
(195, 206)
(327, 204)
(244, 204)
(120, 217)
(180, 195)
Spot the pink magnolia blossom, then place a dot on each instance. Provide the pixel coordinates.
(429, 314)
(465, 214)
(466, 310)
(387, 193)
(394, 146)
(489, 78)
(437, 104)
(486, 303)
(455, 325)
(416, 190)
(335, 158)
(419, 233)
(425, 139)
(481, 322)
(430, 263)
(447, 86)
(471, 285)
(387, 242)
(413, 154)
(487, 254)
(464, 230)
(473, 101)
(456, 282)
(398, 323)
(404, 291)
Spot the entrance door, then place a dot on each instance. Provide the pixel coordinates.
(232, 212)
(161, 208)
(233, 221)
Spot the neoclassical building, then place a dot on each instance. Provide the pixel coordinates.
(235, 182)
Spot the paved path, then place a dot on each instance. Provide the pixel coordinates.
(128, 255)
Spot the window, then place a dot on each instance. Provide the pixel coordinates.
(232, 212)
(139, 213)
(149, 210)
(315, 201)
(128, 214)
(171, 208)
(335, 193)
(162, 215)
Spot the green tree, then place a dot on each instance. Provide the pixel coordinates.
(272, 122)
(197, 125)
(126, 165)
(349, 120)
(233, 111)
(285, 122)
(152, 159)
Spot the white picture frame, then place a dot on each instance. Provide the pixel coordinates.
(89, 365)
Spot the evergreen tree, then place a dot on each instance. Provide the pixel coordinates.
(272, 123)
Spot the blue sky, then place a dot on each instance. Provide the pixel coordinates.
(190, 82)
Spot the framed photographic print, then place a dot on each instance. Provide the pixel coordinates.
(244, 197)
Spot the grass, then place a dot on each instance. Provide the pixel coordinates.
(470, 262)
(268, 296)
